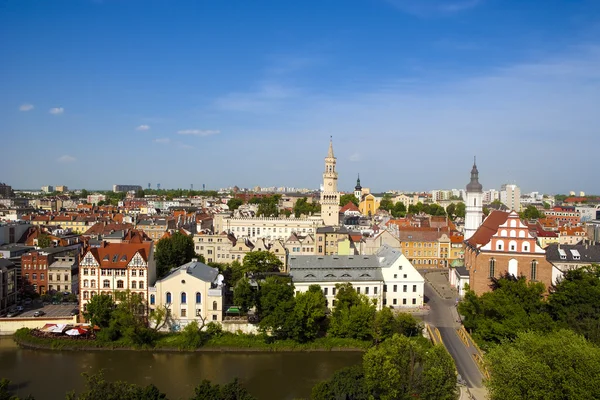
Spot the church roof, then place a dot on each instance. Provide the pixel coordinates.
(484, 233)
(474, 185)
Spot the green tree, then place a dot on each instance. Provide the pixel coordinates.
(416, 208)
(173, 252)
(83, 194)
(276, 306)
(438, 377)
(302, 206)
(386, 203)
(244, 295)
(7, 394)
(384, 325)
(269, 206)
(128, 321)
(347, 383)
(354, 314)
(531, 212)
(574, 300)
(44, 241)
(460, 210)
(308, 314)
(434, 209)
(399, 210)
(348, 198)
(96, 387)
(234, 203)
(558, 365)
(546, 205)
(451, 210)
(230, 391)
(262, 261)
(99, 310)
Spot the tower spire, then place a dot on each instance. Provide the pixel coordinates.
(330, 152)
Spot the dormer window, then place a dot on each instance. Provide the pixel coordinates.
(106, 258)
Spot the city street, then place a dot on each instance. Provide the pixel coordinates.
(50, 310)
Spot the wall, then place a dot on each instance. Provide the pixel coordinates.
(235, 326)
(8, 326)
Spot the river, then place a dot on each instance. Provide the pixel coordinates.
(50, 374)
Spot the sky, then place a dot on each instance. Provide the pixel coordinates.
(236, 92)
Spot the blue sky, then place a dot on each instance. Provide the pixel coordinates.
(222, 93)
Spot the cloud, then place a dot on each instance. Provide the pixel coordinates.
(433, 7)
(267, 98)
(66, 159)
(142, 128)
(199, 132)
(26, 107)
(57, 110)
(355, 157)
(162, 140)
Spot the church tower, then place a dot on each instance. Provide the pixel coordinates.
(330, 197)
(473, 204)
(358, 189)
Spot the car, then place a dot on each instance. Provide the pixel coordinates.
(39, 313)
(12, 314)
(74, 312)
(20, 308)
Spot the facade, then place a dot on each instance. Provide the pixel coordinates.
(510, 195)
(387, 277)
(330, 197)
(327, 239)
(96, 198)
(571, 234)
(63, 274)
(268, 228)
(35, 265)
(369, 205)
(62, 189)
(300, 245)
(192, 292)
(8, 284)
(503, 244)
(473, 204)
(48, 189)
(567, 257)
(126, 188)
(564, 215)
(116, 267)
(6, 191)
(459, 279)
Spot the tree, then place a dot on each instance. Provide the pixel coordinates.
(302, 206)
(354, 314)
(438, 377)
(384, 325)
(99, 310)
(558, 365)
(531, 212)
(83, 194)
(128, 321)
(230, 391)
(234, 203)
(546, 205)
(44, 241)
(172, 252)
(276, 305)
(434, 209)
(6, 393)
(451, 210)
(399, 210)
(244, 295)
(416, 208)
(386, 203)
(309, 314)
(574, 300)
(347, 383)
(348, 198)
(460, 210)
(262, 261)
(158, 318)
(96, 387)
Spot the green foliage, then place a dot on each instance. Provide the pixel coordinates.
(460, 210)
(234, 203)
(229, 391)
(192, 337)
(531, 212)
(354, 314)
(7, 394)
(172, 252)
(559, 365)
(276, 305)
(268, 206)
(96, 387)
(128, 322)
(574, 302)
(387, 324)
(546, 205)
(244, 295)
(399, 210)
(386, 203)
(411, 369)
(302, 206)
(347, 383)
(262, 261)
(44, 241)
(214, 329)
(308, 315)
(348, 198)
(99, 310)
(430, 208)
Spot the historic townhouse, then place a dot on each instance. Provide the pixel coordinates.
(117, 267)
(503, 244)
(63, 274)
(268, 228)
(35, 265)
(300, 245)
(564, 215)
(567, 257)
(571, 234)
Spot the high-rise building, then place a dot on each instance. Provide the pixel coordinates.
(48, 189)
(6, 190)
(330, 197)
(510, 195)
(473, 204)
(62, 189)
(126, 188)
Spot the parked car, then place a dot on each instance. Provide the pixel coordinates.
(39, 313)
(74, 312)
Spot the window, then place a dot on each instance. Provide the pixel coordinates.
(93, 283)
(395, 276)
(133, 272)
(404, 301)
(85, 271)
(141, 285)
(152, 299)
(414, 301)
(325, 291)
(168, 296)
(404, 288)
(106, 283)
(86, 295)
(404, 276)
(357, 290)
(198, 312)
(183, 312)
(183, 298)
(120, 284)
(375, 290)
(492, 270)
(395, 301)
(133, 284)
(333, 291)
(214, 317)
(42, 276)
(214, 306)
(198, 298)
(34, 276)
(50, 277)
(86, 283)
(367, 290)
(534, 270)
(395, 288)
(414, 288)
(384, 288)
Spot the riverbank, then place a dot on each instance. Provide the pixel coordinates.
(173, 342)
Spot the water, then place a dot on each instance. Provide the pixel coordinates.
(50, 374)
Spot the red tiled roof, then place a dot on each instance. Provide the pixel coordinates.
(349, 207)
(490, 225)
(121, 253)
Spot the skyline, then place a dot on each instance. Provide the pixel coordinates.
(99, 92)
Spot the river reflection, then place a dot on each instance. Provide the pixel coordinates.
(49, 374)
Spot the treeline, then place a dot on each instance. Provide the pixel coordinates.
(539, 347)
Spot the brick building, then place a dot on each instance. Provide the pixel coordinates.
(503, 244)
(35, 266)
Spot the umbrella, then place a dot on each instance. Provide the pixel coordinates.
(73, 332)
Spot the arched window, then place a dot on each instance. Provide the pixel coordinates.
(513, 223)
(152, 299)
(214, 305)
(168, 296)
(106, 283)
(513, 233)
(183, 298)
(120, 284)
(521, 234)
(534, 270)
(93, 283)
(503, 233)
(525, 247)
(86, 283)
(500, 245)
(513, 267)
(492, 268)
(86, 295)
(512, 245)
(198, 298)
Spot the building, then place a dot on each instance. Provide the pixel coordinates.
(571, 234)
(369, 205)
(63, 274)
(387, 277)
(269, 228)
(116, 267)
(126, 188)
(96, 198)
(327, 238)
(510, 195)
(474, 204)
(297, 245)
(501, 245)
(564, 215)
(358, 189)
(459, 279)
(191, 292)
(61, 189)
(35, 266)
(330, 197)
(48, 189)
(8, 284)
(567, 257)
(6, 191)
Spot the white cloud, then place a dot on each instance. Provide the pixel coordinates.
(199, 132)
(57, 110)
(26, 107)
(432, 7)
(142, 128)
(268, 98)
(66, 159)
(355, 157)
(162, 140)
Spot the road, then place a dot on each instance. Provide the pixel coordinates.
(443, 315)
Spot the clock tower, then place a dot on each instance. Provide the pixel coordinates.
(330, 197)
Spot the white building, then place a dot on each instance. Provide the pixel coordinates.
(473, 204)
(191, 292)
(510, 195)
(387, 276)
(268, 228)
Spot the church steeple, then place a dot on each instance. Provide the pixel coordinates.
(358, 187)
(330, 152)
(474, 185)
(473, 203)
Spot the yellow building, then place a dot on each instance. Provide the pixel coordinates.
(369, 205)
